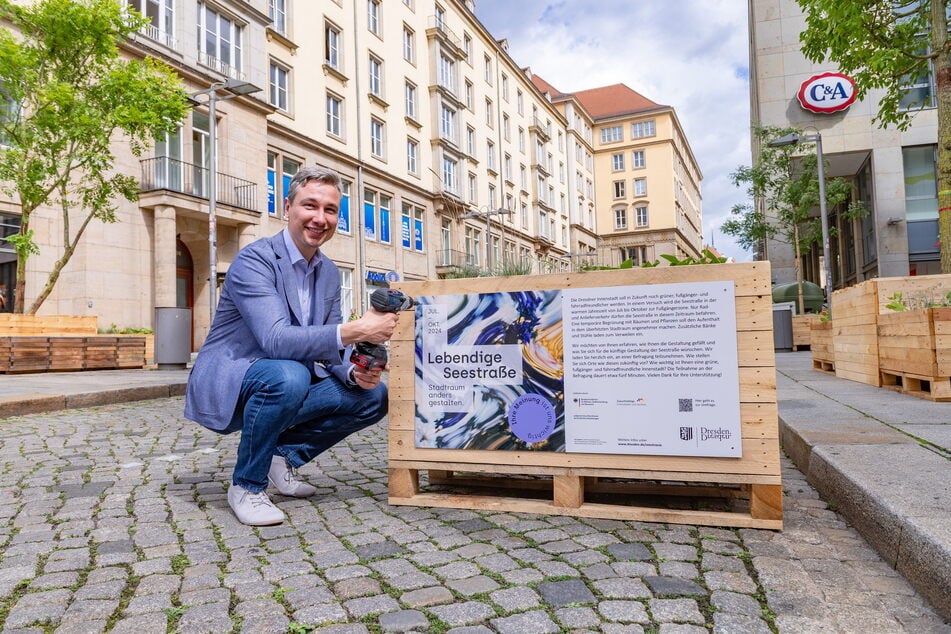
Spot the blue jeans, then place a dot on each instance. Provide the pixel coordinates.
(283, 410)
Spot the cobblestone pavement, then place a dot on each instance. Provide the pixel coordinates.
(115, 519)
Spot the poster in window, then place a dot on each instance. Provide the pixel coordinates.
(271, 194)
(343, 218)
(405, 232)
(369, 221)
(384, 225)
(418, 234)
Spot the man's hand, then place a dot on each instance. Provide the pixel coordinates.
(368, 379)
(372, 327)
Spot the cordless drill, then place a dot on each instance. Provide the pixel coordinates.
(386, 300)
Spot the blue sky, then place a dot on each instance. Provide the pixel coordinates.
(689, 54)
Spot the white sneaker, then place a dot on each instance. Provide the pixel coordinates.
(284, 477)
(253, 509)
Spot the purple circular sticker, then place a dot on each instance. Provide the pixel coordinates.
(532, 418)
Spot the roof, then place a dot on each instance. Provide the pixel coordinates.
(544, 86)
(614, 100)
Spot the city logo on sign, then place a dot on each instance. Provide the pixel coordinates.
(827, 93)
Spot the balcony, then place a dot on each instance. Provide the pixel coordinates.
(222, 67)
(437, 29)
(450, 260)
(541, 130)
(165, 173)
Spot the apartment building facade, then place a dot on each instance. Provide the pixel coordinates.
(892, 172)
(451, 156)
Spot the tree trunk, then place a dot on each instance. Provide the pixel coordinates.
(942, 72)
(802, 303)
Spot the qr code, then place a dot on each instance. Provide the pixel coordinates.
(685, 404)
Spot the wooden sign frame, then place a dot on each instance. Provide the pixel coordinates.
(563, 483)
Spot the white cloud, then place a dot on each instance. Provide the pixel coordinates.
(688, 54)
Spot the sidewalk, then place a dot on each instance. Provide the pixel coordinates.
(881, 459)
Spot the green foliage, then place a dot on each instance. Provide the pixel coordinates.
(706, 257)
(513, 267)
(784, 186)
(115, 330)
(930, 298)
(882, 44)
(67, 95)
(467, 270)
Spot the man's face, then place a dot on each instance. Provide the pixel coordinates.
(312, 217)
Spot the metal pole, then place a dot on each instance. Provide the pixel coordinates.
(824, 218)
(488, 241)
(212, 206)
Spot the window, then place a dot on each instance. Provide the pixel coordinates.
(521, 139)
(343, 216)
(473, 188)
(277, 12)
(921, 190)
(219, 41)
(332, 46)
(409, 3)
(507, 167)
(385, 229)
(346, 289)
(520, 101)
(445, 238)
(638, 159)
(409, 45)
(277, 95)
(470, 141)
(620, 218)
(617, 162)
(277, 190)
(369, 214)
(373, 16)
(376, 138)
(523, 177)
(440, 17)
(612, 134)
(449, 182)
(376, 77)
(473, 246)
(447, 73)
(505, 86)
(334, 115)
(411, 227)
(161, 15)
(642, 129)
(506, 128)
(467, 47)
(640, 186)
(919, 88)
(619, 189)
(488, 70)
(641, 215)
(447, 123)
(490, 155)
(410, 100)
(468, 96)
(412, 156)
(489, 118)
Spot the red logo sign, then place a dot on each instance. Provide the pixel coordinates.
(826, 93)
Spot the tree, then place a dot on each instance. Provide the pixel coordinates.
(887, 45)
(65, 95)
(787, 184)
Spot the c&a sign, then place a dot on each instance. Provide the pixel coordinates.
(827, 93)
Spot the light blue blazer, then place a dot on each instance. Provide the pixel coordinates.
(259, 317)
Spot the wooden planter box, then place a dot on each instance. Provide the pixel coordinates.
(856, 311)
(568, 483)
(60, 354)
(802, 330)
(914, 349)
(14, 325)
(823, 352)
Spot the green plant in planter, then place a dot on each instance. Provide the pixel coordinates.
(926, 299)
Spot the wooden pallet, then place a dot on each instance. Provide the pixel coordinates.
(823, 366)
(604, 494)
(927, 387)
(709, 491)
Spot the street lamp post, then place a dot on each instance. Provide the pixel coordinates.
(233, 88)
(794, 138)
(488, 229)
